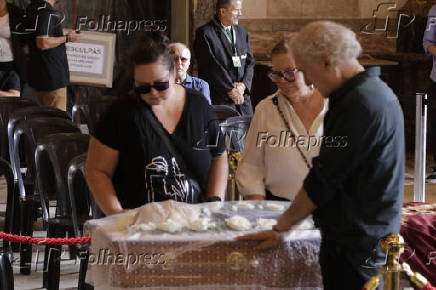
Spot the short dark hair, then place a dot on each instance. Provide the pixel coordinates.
(224, 4)
(150, 47)
(282, 47)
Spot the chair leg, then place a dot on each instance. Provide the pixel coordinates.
(54, 260)
(15, 223)
(84, 258)
(6, 273)
(72, 250)
(26, 219)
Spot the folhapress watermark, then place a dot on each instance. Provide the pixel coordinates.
(106, 257)
(106, 24)
(286, 139)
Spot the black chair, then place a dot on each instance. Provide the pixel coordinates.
(83, 207)
(91, 109)
(6, 172)
(224, 112)
(235, 129)
(8, 105)
(29, 132)
(6, 272)
(26, 113)
(52, 159)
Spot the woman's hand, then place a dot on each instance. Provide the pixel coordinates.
(267, 239)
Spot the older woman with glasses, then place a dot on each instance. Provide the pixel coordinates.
(284, 135)
(156, 145)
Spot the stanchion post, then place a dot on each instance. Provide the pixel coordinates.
(420, 147)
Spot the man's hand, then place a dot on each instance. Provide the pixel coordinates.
(240, 87)
(235, 95)
(73, 35)
(267, 239)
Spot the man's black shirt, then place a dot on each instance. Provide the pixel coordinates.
(48, 68)
(358, 188)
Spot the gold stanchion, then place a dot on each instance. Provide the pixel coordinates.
(234, 159)
(393, 247)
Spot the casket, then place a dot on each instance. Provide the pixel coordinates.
(122, 259)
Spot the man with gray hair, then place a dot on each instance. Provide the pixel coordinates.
(182, 59)
(355, 192)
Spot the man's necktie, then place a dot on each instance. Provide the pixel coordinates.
(229, 32)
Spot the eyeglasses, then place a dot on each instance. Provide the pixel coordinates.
(146, 88)
(288, 75)
(182, 59)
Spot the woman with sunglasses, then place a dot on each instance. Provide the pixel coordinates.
(160, 144)
(285, 134)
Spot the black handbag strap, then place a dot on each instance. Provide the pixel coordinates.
(158, 128)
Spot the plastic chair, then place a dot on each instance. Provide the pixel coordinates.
(6, 272)
(83, 207)
(224, 112)
(6, 172)
(92, 108)
(236, 128)
(52, 159)
(30, 132)
(7, 106)
(26, 113)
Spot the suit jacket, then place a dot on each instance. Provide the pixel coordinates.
(215, 65)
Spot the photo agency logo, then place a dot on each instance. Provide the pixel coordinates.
(29, 26)
(106, 24)
(104, 257)
(390, 25)
(286, 139)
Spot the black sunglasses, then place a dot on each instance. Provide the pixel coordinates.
(146, 88)
(288, 75)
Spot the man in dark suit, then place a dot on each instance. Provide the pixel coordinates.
(225, 59)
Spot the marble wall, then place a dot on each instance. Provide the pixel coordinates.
(268, 21)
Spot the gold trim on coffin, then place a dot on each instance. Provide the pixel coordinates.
(417, 209)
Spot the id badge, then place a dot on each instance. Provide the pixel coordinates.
(236, 61)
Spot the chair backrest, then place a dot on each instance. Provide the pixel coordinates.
(30, 132)
(235, 129)
(8, 105)
(224, 112)
(52, 159)
(27, 114)
(92, 108)
(83, 205)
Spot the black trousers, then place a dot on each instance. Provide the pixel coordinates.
(432, 116)
(338, 272)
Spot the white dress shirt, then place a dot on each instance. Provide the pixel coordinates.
(270, 159)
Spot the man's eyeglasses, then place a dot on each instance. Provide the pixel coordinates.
(182, 59)
(288, 75)
(146, 88)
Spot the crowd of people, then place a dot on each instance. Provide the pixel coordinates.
(163, 140)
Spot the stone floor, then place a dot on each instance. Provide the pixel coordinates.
(70, 268)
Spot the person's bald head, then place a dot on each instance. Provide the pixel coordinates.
(182, 59)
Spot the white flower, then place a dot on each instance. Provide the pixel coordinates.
(144, 227)
(201, 224)
(266, 223)
(170, 226)
(275, 206)
(238, 223)
(246, 205)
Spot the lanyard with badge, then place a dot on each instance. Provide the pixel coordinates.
(235, 58)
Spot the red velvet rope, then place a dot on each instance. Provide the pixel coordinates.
(44, 241)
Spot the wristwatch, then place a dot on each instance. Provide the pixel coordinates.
(67, 38)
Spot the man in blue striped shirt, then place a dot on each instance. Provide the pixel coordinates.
(182, 60)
